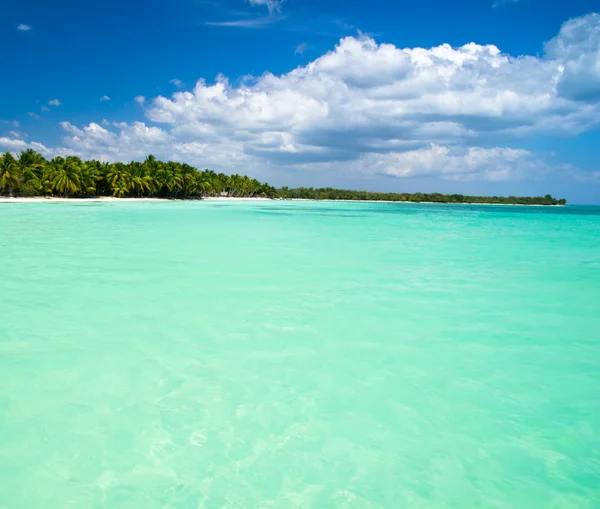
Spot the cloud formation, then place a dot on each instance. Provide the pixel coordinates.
(246, 22)
(104, 98)
(578, 48)
(177, 83)
(501, 3)
(364, 107)
(300, 49)
(23, 28)
(54, 102)
(272, 5)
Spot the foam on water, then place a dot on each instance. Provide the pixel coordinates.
(299, 355)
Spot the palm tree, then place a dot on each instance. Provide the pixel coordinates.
(140, 184)
(89, 179)
(31, 164)
(116, 173)
(9, 173)
(65, 175)
(121, 189)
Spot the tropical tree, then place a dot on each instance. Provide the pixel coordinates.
(88, 179)
(65, 175)
(31, 164)
(116, 173)
(121, 189)
(9, 173)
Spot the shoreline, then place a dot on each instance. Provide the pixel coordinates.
(41, 199)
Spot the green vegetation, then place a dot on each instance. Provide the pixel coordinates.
(344, 194)
(30, 174)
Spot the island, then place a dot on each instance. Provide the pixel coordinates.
(31, 175)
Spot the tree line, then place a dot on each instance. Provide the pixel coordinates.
(329, 193)
(30, 174)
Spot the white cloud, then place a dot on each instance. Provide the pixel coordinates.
(459, 163)
(272, 5)
(502, 3)
(23, 28)
(364, 107)
(577, 46)
(104, 98)
(247, 22)
(16, 145)
(11, 144)
(300, 49)
(177, 83)
(32, 114)
(45, 108)
(125, 142)
(54, 102)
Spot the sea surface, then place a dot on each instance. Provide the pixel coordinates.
(299, 355)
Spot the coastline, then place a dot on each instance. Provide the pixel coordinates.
(423, 202)
(38, 199)
(41, 199)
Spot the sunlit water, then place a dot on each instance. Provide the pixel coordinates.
(299, 355)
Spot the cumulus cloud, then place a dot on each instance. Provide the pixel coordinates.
(104, 98)
(9, 144)
(45, 109)
(458, 163)
(578, 47)
(23, 28)
(176, 82)
(54, 102)
(12, 144)
(364, 107)
(32, 114)
(140, 99)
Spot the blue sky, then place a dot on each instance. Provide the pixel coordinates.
(490, 97)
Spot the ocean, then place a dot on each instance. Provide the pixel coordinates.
(269, 354)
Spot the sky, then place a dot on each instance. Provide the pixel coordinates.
(494, 97)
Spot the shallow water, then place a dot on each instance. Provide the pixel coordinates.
(299, 355)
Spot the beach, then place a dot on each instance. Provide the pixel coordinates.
(5, 199)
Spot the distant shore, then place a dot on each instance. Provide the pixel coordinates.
(31, 175)
(39, 199)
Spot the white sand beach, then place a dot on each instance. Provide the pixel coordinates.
(37, 199)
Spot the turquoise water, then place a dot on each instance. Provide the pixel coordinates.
(299, 355)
